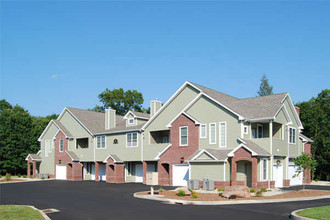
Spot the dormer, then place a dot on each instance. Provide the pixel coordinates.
(135, 118)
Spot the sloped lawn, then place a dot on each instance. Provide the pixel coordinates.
(13, 212)
(322, 213)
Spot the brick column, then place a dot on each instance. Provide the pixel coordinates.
(254, 172)
(119, 173)
(34, 169)
(145, 167)
(96, 171)
(77, 171)
(28, 170)
(233, 171)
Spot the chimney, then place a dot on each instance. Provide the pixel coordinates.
(110, 118)
(297, 110)
(155, 105)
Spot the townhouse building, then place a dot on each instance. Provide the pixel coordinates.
(199, 133)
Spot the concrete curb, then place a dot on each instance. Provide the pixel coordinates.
(40, 211)
(185, 202)
(27, 181)
(295, 216)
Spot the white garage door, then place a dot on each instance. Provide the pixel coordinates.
(278, 175)
(61, 172)
(102, 172)
(138, 173)
(297, 180)
(180, 175)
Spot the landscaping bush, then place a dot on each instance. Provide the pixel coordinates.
(161, 190)
(259, 193)
(252, 190)
(194, 194)
(221, 189)
(19, 175)
(220, 194)
(8, 176)
(181, 193)
(42, 178)
(24, 176)
(0, 176)
(263, 190)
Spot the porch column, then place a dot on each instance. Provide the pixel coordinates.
(119, 173)
(233, 171)
(34, 169)
(254, 172)
(96, 171)
(28, 170)
(145, 168)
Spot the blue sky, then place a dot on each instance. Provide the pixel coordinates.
(57, 54)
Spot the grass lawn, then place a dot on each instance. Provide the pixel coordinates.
(322, 212)
(10, 212)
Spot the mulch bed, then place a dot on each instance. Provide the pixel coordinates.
(216, 197)
(11, 180)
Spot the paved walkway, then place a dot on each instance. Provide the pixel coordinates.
(90, 200)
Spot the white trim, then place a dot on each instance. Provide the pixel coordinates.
(215, 133)
(163, 151)
(59, 145)
(137, 139)
(184, 113)
(295, 135)
(180, 143)
(116, 132)
(205, 161)
(231, 153)
(201, 152)
(76, 119)
(224, 171)
(241, 140)
(271, 145)
(115, 161)
(134, 115)
(129, 123)
(70, 156)
(294, 110)
(262, 131)
(59, 129)
(220, 138)
(286, 112)
(262, 169)
(200, 131)
(247, 129)
(29, 155)
(105, 142)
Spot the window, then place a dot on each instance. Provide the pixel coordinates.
(131, 140)
(88, 168)
(61, 145)
(264, 169)
(100, 142)
(184, 136)
(246, 129)
(259, 131)
(129, 169)
(50, 146)
(292, 135)
(165, 140)
(202, 131)
(222, 131)
(131, 121)
(254, 134)
(212, 139)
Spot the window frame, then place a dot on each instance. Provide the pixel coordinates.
(247, 129)
(101, 142)
(180, 138)
(46, 148)
(128, 121)
(200, 131)
(215, 133)
(220, 137)
(264, 161)
(294, 136)
(131, 141)
(61, 145)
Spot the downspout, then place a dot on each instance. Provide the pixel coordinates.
(271, 151)
(142, 134)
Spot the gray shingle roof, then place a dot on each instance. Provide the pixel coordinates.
(73, 156)
(94, 121)
(256, 148)
(61, 126)
(219, 154)
(35, 157)
(141, 114)
(250, 108)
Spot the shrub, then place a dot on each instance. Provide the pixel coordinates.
(252, 190)
(24, 176)
(220, 194)
(181, 193)
(194, 194)
(161, 190)
(259, 193)
(8, 176)
(263, 190)
(19, 175)
(0, 176)
(221, 189)
(31, 177)
(42, 178)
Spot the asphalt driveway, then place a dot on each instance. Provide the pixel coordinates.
(91, 200)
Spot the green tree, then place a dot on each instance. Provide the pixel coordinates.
(122, 101)
(305, 162)
(97, 108)
(265, 88)
(315, 117)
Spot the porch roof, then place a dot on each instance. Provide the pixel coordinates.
(73, 156)
(34, 157)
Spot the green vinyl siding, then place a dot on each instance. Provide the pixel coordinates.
(47, 164)
(209, 170)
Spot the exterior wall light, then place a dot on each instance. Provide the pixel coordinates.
(181, 159)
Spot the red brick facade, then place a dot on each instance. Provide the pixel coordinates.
(115, 172)
(73, 169)
(177, 154)
(239, 155)
(307, 173)
(34, 168)
(286, 183)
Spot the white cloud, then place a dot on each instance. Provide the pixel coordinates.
(54, 76)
